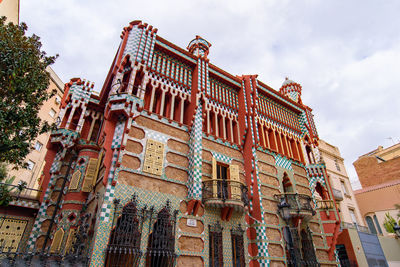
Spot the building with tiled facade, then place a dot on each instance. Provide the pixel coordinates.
(177, 162)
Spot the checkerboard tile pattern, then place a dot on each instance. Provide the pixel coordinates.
(25, 203)
(195, 158)
(221, 157)
(41, 216)
(283, 162)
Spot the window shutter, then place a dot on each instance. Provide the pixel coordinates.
(11, 232)
(57, 240)
(99, 161)
(89, 176)
(214, 177)
(70, 240)
(76, 177)
(236, 192)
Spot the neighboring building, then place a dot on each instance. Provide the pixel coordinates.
(16, 220)
(10, 9)
(35, 159)
(379, 175)
(354, 238)
(178, 162)
(340, 182)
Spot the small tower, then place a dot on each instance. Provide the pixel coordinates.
(291, 90)
(199, 47)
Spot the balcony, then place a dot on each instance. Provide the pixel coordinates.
(359, 228)
(294, 205)
(325, 204)
(19, 195)
(337, 194)
(225, 193)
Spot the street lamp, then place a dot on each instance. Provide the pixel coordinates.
(396, 229)
(284, 209)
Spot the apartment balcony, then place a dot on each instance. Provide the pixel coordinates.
(19, 195)
(223, 193)
(359, 228)
(337, 194)
(294, 205)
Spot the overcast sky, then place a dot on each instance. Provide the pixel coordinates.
(345, 54)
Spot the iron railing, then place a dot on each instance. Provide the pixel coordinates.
(295, 201)
(225, 190)
(21, 191)
(360, 228)
(76, 256)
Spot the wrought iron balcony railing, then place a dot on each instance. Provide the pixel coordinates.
(293, 205)
(224, 192)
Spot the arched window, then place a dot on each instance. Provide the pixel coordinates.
(321, 191)
(371, 225)
(377, 224)
(161, 244)
(287, 185)
(123, 249)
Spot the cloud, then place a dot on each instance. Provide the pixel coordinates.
(345, 54)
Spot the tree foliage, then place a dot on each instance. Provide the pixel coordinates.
(23, 89)
(5, 190)
(389, 223)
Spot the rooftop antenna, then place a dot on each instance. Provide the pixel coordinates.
(390, 138)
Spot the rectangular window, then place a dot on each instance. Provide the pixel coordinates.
(353, 216)
(337, 165)
(31, 165)
(38, 146)
(238, 247)
(52, 113)
(344, 188)
(216, 246)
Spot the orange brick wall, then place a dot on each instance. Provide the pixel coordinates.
(371, 172)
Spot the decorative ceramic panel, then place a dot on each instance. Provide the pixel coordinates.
(153, 161)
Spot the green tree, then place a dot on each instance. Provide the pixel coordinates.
(389, 223)
(23, 89)
(5, 190)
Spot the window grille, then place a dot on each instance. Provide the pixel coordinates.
(238, 247)
(216, 245)
(124, 245)
(300, 250)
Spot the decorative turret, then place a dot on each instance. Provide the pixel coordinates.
(199, 47)
(291, 89)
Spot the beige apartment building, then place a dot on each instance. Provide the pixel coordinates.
(10, 9)
(35, 159)
(340, 182)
